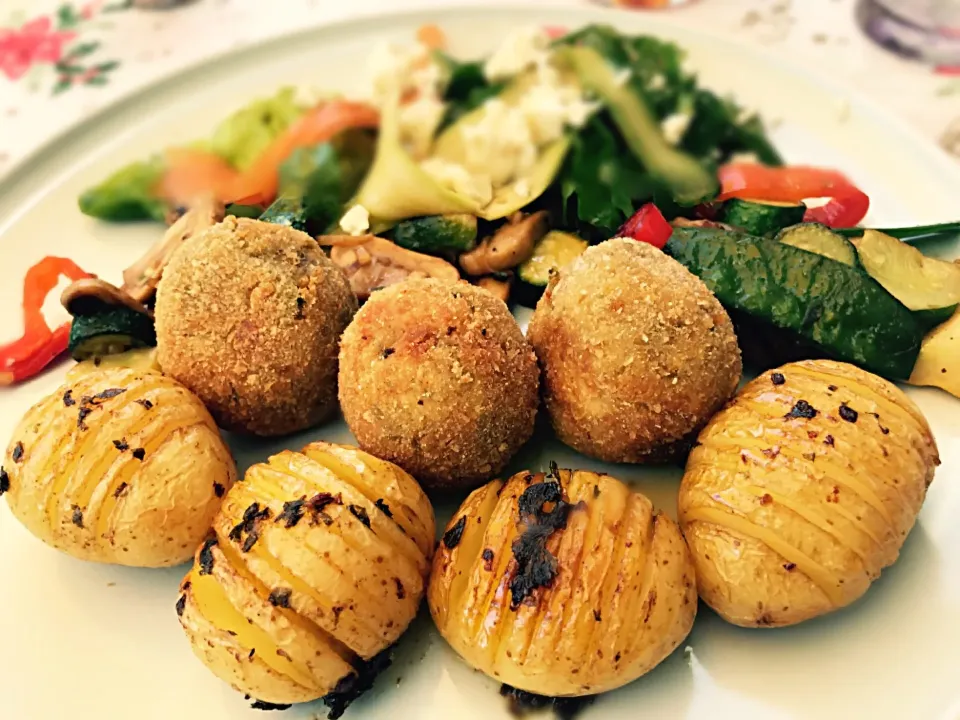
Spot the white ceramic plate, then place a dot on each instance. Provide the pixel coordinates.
(81, 641)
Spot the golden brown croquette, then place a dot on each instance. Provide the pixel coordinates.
(437, 377)
(248, 317)
(637, 354)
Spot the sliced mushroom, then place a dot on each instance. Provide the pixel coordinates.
(140, 279)
(509, 246)
(91, 296)
(496, 286)
(378, 263)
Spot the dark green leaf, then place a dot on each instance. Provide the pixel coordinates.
(467, 89)
(128, 194)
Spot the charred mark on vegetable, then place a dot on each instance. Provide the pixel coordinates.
(401, 591)
(4, 481)
(218, 489)
(351, 687)
(451, 538)
(318, 502)
(206, 556)
(387, 352)
(828, 440)
(280, 597)
(597, 616)
(121, 445)
(139, 453)
(249, 526)
(848, 413)
(542, 512)
(777, 378)
(17, 453)
(106, 395)
(789, 567)
(766, 499)
(383, 507)
(253, 651)
(146, 403)
(181, 605)
(522, 703)
(487, 559)
(292, 512)
(77, 517)
(360, 514)
(82, 415)
(121, 489)
(68, 398)
(802, 409)
(268, 706)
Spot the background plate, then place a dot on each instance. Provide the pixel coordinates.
(82, 641)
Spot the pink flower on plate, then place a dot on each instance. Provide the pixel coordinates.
(34, 43)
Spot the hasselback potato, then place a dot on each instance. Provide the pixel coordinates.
(317, 563)
(802, 490)
(119, 466)
(563, 584)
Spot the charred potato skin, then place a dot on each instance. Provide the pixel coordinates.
(623, 598)
(317, 590)
(438, 378)
(119, 466)
(802, 490)
(636, 354)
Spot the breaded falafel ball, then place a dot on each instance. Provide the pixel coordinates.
(437, 377)
(249, 316)
(637, 354)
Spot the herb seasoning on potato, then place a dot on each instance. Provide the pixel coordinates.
(307, 579)
(119, 467)
(564, 584)
(802, 490)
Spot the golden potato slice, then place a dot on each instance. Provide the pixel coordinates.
(802, 490)
(317, 563)
(564, 584)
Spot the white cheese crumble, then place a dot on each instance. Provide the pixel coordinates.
(657, 82)
(419, 120)
(622, 77)
(521, 49)
(476, 186)
(744, 157)
(356, 221)
(522, 188)
(675, 125)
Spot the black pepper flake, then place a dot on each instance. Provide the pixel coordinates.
(139, 453)
(4, 481)
(280, 597)
(536, 566)
(387, 352)
(82, 415)
(360, 514)
(121, 489)
(17, 453)
(401, 591)
(253, 651)
(597, 616)
(832, 388)
(181, 605)
(121, 445)
(777, 378)
(802, 409)
(219, 489)
(383, 507)
(596, 491)
(146, 403)
(292, 512)
(451, 538)
(789, 566)
(77, 518)
(249, 526)
(355, 684)
(848, 413)
(301, 303)
(206, 556)
(68, 398)
(268, 706)
(483, 331)
(522, 703)
(828, 440)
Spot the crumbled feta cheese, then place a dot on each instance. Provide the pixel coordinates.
(622, 77)
(744, 157)
(521, 49)
(419, 121)
(402, 71)
(356, 221)
(674, 126)
(522, 188)
(657, 82)
(474, 186)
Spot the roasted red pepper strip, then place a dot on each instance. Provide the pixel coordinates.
(647, 225)
(846, 207)
(39, 345)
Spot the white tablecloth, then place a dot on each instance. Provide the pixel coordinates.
(60, 61)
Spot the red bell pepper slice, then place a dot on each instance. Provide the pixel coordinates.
(39, 345)
(647, 225)
(847, 205)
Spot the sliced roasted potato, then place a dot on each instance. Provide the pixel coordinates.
(938, 364)
(317, 563)
(563, 585)
(119, 466)
(802, 490)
